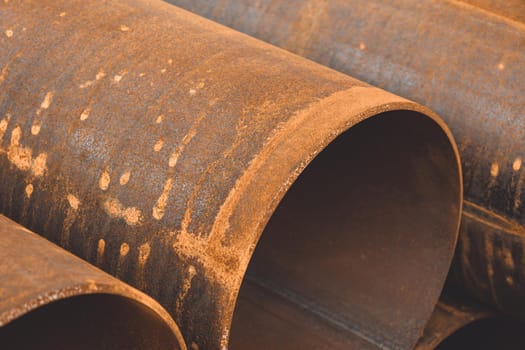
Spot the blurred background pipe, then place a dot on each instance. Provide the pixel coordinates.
(157, 145)
(463, 59)
(50, 299)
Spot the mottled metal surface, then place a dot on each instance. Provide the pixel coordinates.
(156, 145)
(464, 60)
(37, 275)
(449, 316)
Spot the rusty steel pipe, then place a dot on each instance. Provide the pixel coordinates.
(50, 299)
(451, 315)
(463, 61)
(459, 323)
(158, 146)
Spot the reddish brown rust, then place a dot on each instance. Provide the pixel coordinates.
(464, 59)
(157, 145)
(37, 278)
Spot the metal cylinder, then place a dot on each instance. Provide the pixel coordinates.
(51, 299)
(158, 145)
(464, 61)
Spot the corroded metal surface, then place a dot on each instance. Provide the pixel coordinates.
(157, 144)
(37, 277)
(449, 316)
(434, 53)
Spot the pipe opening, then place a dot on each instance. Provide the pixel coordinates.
(95, 321)
(491, 333)
(357, 250)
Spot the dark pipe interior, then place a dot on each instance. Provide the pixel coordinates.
(488, 334)
(357, 249)
(94, 322)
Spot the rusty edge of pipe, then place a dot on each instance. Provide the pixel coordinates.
(448, 317)
(35, 273)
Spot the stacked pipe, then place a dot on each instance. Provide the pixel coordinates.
(263, 200)
(465, 60)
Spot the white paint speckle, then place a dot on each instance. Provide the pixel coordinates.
(117, 78)
(494, 169)
(100, 75)
(124, 178)
(9, 33)
(85, 114)
(124, 28)
(35, 128)
(193, 92)
(48, 99)
(158, 145)
(159, 119)
(29, 190)
(104, 180)
(74, 202)
(101, 247)
(144, 252)
(163, 70)
(362, 46)
(62, 14)
(170, 61)
(501, 66)
(517, 164)
(124, 249)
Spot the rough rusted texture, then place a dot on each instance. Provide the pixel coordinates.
(461, 60)
(156, 145)
(449, 316)
(490, 259)
(36, 274)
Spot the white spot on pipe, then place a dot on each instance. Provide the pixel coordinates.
(144, 252)
(158, 145)
(9, 33)
(48, 99)
(124, 179)
(115, 209)
(517, 164)
(124, 249)
(29, 190)
(74, 202)
(160, 207)
(85, 114)
(104, 180)
(124, 28)
(362, 46)
(159, 119)
(35, 128)
(3, 125)
(494, 169)
(501, 66)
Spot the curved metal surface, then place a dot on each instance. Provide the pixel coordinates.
(450, 315)
(434, 53)
(157, 145)
(458, 323)
(64, 302)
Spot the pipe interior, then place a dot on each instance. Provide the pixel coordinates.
(357, 250)
(97, 321)
(487, 334)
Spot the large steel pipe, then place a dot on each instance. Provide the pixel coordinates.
(158, 145)
(465, 62)
(50, 299)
